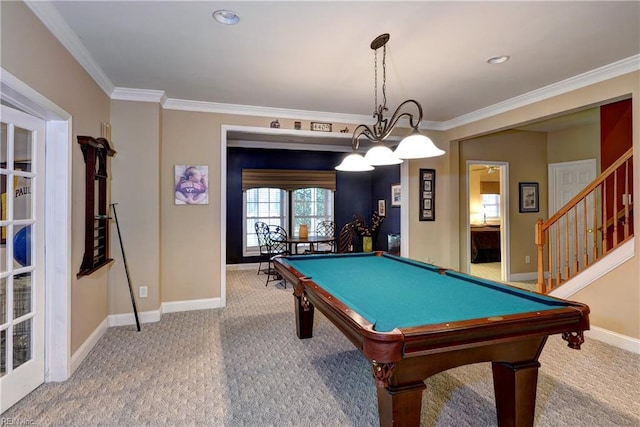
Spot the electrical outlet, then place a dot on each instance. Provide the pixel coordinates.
(143, 291)
(527, 259)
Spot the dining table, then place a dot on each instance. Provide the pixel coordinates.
(312, 241)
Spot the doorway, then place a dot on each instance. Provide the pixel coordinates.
(58, 364)
(487, 219)
(22, 299)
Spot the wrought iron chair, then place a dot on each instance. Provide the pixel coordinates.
(326, 229)
(262, 231)
(345, 238)
(278, 245)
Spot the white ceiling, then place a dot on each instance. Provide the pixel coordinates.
(315, 55)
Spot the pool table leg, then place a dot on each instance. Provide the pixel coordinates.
(400, 406)
(515, 390)
(304, 316)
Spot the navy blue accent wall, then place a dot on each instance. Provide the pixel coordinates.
(354, 191)
(383, 177)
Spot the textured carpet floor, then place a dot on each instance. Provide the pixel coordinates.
(244, 366)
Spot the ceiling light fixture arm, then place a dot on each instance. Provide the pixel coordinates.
(383, 127)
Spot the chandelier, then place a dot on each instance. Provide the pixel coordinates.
(413, 146)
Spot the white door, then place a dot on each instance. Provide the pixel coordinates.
(565, 181)
(22, 139)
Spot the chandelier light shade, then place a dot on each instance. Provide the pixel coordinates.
(414, 146)
(417, 146)
(380, 155)
(354, 162)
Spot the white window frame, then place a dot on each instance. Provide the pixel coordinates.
(491, 206)
(313, 220)
(282, 220)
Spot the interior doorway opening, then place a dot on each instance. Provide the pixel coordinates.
(487, 219)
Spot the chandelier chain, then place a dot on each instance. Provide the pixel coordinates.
(384, 77)
(375, 81)
(378, 108)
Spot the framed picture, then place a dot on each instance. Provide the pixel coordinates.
(529, 197)
(427, 195)
(382, 207)
(395, 196)
(191, 185)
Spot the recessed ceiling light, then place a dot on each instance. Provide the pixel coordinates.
(227, 17)
(498, 59)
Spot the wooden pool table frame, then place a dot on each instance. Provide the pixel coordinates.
(403, 358)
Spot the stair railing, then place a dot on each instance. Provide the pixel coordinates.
(593, 223)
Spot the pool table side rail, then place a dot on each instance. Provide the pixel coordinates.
(400, 343)
(438, 338)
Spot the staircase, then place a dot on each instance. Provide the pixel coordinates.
(595, 222)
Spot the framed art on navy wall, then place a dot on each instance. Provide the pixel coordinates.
(427, 195)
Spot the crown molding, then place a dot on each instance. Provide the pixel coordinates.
(140, 95)
(51, 19)
(597, 75)
(61, 30)
(251, 110)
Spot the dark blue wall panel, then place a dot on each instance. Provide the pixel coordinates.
(356, 193)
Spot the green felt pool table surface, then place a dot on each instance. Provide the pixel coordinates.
(413, 320)
(393, 292)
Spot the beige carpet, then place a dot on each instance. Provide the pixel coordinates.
(244, 366)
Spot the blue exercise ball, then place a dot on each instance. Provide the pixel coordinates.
(22, 246)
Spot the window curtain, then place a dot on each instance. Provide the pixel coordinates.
(288, 179)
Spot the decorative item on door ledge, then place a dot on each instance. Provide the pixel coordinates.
(321, 126)
(414, 146)
(427, 195)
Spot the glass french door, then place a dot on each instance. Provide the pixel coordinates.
(22, 140)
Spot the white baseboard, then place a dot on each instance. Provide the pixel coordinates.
(615, 339)
(129, 318)
(523, 277)
(189, 305)
(236, 267)
(81, 353)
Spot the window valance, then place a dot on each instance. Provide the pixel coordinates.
(288, 179)
(489, 187)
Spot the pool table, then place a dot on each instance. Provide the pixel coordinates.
(413, 320)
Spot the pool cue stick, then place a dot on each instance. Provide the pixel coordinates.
(126, 268)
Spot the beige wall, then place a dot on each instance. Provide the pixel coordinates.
(576, 143)
(430, 241)
(186, 263)
(190, 253)
(526, 154)
(615, 298)
(32, 54)
(136, 136)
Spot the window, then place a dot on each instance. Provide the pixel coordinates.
(491, 206)
(311, 206)
(272, 206)
(268, 205)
